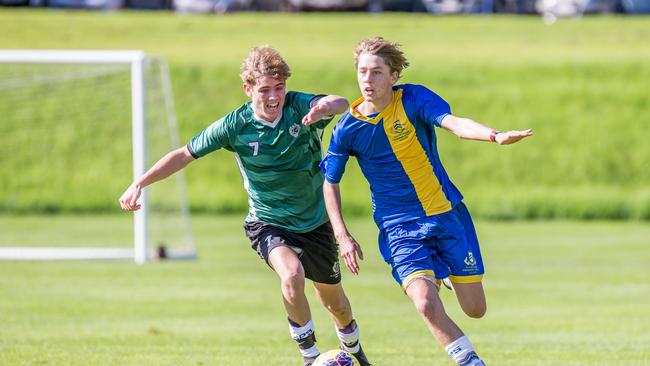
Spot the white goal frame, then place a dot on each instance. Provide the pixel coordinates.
(136, 59)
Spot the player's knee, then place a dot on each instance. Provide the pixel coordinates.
(293, 281)
(293, 278)
(476, 310)
(426, 306)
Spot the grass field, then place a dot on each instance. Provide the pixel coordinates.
(559, 293)
(581, 84)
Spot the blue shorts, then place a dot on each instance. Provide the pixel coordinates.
(443, 245)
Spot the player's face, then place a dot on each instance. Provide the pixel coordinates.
(268, 97)
(375, 78)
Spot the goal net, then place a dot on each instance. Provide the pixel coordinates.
(76, 127)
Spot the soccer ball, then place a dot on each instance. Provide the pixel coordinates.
(336, 357)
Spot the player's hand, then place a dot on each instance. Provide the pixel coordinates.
(350, 249)
(510, 137)
(316, 113)
(129, 199)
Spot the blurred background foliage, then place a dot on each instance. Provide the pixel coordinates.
(581, 84)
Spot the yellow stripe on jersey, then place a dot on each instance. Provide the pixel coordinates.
(408, 150)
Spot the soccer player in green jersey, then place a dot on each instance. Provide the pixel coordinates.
(276, 139)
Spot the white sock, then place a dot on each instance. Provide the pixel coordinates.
(349, 337)
(462, 352)
(305, 337)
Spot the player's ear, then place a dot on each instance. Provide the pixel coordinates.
(394, 76)
(248, 90)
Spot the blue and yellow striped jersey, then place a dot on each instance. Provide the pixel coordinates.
(396, 150)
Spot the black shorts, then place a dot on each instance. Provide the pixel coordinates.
(316, 249)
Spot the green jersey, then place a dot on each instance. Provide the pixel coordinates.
(279, 161)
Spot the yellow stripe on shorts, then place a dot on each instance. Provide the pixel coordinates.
(466, 279)
(416, 274)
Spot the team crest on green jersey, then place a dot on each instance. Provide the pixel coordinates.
(294, 130)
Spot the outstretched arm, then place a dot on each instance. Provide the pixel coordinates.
(166, 166)
(348, 247)
(466, 128)
(328, 105)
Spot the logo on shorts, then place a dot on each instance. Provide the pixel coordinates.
(294, 130)
(336, 269)
(469, 260)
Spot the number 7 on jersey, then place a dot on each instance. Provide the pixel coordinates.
(256, 146)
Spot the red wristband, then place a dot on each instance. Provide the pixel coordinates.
(493, 135)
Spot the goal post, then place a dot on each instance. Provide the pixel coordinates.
(144, 71)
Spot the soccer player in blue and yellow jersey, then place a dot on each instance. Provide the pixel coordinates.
(276, 138)
(425, 231)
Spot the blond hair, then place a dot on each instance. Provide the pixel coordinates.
(263, 61)
(389, 51)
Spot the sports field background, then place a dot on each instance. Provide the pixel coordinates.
(560, 292)
(581, 84)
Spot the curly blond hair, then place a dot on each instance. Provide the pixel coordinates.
(263, 61)
(389, 51)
